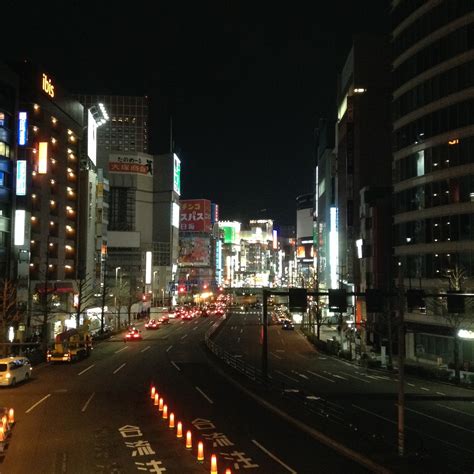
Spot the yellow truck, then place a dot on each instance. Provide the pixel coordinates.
(71, 345)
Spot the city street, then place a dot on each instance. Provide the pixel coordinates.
(96, 416)
(359, 406)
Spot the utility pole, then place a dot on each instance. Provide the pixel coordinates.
(401, 365)
(265, 336)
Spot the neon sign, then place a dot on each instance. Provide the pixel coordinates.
(47, 85)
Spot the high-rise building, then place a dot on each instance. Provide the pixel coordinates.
(304, 240)
(433, 161)
(47, 170)
(363, 153)
(9, 123)
(127, 127)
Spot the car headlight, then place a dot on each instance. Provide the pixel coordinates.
(8, 375)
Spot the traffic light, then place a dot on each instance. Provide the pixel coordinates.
(298, 299)
(455, 302)
(374, 300)
(338, 300)
(415, 299)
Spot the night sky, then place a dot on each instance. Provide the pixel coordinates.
(245, 82)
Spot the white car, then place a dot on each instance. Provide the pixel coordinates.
(14, 370)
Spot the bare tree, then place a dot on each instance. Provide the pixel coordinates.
(86, 297)
(121, 298)
(9, 313)
(456, 279)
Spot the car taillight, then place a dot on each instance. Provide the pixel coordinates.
(135, 335)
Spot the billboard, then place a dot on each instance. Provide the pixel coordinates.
(130, 164)
(91, 137)
(22, 128)
(176, 174)
(194, 251)
(195, 215)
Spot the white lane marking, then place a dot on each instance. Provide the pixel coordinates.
(354, 377)
(277, 356)
(84, 408)
(287, 376)
(175, 365)
(425, 389)
(411, 384)
(169, 348)
(372, 377)
(37, 403)
(454, 409)
(321, 376)
(184, 336)
(300, 375)
(86, 369)
(204, 395)
(279, 461)
(440, 393)
(146, 348)
(120, 350)
(439, 419)
(194, 328)
(119, 368)
(339, 377)
(280, 350)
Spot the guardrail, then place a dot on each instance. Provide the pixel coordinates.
(237, 363)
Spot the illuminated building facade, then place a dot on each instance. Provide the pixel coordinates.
(47, 190)
(305, 258)
(433, 159)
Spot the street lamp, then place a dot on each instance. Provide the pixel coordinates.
(115, 292)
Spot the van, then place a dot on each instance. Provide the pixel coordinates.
(14, 370)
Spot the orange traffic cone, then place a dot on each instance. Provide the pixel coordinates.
(165, 412)
(213, 464)
(11, 416)
(179, 430)
(228, 471)
(160, 406)
(200, 455)
(171, 424)
(189, 440)
(156, 397)
(153, 391)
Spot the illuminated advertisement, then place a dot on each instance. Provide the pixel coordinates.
(231, 231)
(175, 215)
(176, 174)
(47, 85)
(195, 215)
(218, 262)
(214, 213)
(333, 247)
(275, 240)
(22, 128)
(131, 164)
(194, 251)
(21, 178)
(91, 137)
(20, 219)
(148, 264)
(43, 158)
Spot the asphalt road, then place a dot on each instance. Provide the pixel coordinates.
(359, 406)
(96, 416)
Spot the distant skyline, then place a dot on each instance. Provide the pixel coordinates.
(246, 84)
